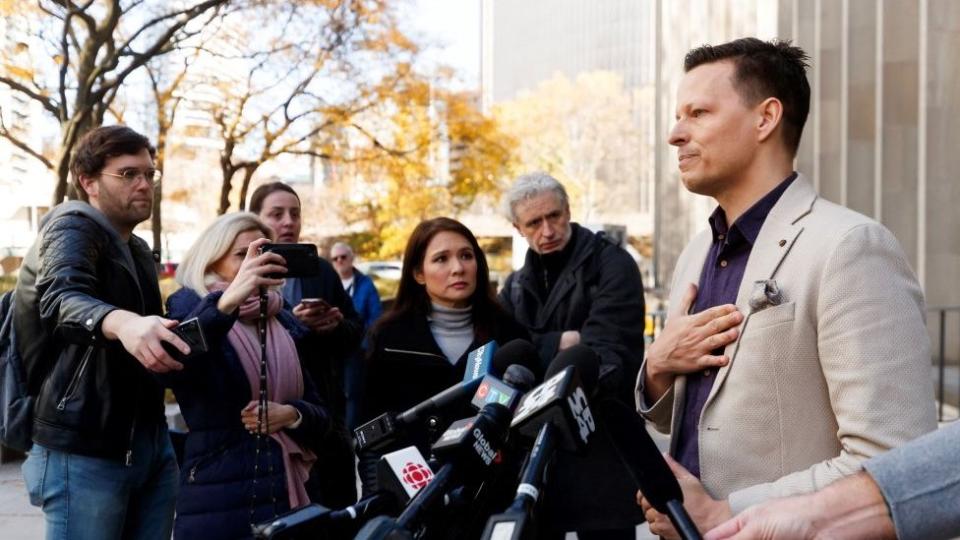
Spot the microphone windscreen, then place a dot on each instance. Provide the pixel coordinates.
(497, 417)
(519, 377)
(638, 452)
(586, 361)
(518, 351)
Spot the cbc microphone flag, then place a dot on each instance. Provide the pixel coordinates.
(410, 468)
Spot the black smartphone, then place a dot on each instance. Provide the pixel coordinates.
(302, 259)
(316, 302)
(191, 333)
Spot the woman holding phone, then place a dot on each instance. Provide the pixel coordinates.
(227, 482)
(445, 307)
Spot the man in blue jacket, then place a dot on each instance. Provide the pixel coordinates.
(366, 300)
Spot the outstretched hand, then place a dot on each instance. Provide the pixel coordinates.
(142, 337)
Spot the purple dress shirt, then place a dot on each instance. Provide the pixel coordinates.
(719, 284)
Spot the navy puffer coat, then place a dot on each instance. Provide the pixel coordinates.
(217, 473)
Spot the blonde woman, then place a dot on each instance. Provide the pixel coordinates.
(217, 391)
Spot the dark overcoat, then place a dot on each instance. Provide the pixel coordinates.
(599, 293)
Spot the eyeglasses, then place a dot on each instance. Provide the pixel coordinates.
(338, 258)
(132, 175)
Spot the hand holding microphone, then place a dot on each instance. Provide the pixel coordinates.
(704, 510)
(654, 478)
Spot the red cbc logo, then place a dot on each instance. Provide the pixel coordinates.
(416, 475)
(483, 390)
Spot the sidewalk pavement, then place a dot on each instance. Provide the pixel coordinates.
(18, 520)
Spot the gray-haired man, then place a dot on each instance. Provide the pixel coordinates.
(576, 287)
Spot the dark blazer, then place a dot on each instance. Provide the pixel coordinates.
(216, 477)
(600, 294)
(405, 367)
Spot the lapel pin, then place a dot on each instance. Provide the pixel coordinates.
(783, 243)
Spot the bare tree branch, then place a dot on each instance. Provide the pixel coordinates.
(46, 102)
(14, 140)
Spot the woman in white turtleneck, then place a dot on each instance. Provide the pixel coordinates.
(445, 307)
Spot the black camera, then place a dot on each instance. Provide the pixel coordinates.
(192, 334)
(302, 259)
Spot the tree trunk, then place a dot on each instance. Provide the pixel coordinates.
(228, 172)
(70, 133)
(247, 176)
(63, 176)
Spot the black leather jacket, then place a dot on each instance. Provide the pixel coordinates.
(91, 394)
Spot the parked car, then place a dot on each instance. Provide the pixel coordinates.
(381, 269)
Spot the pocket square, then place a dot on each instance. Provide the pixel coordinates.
(765, 293)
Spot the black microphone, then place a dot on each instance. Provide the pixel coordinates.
(562, 399)
(628, 433)
(519, 377)
(384, 430)
(558, 411)
(467, 450)
(401, 475)
(484, 361)
(468, 447)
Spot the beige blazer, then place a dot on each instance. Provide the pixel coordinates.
(839, 371)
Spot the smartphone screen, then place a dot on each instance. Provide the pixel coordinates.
(313, 302)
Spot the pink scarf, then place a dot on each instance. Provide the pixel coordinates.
(284, 380)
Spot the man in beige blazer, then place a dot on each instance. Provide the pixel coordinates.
(796, 346)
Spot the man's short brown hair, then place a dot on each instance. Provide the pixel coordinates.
(101, 144)
(765, 69)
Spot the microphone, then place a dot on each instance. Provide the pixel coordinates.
(383, 430)
(553, 425)
(519, 377)
(479, 361)
(517, 381)
(468, 448)
(562, 399)
(400, 476)
(643, 459)
(486, 360)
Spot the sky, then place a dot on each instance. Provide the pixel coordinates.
(450, 31)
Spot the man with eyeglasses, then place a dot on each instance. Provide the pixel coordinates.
(90, 334)
(578, 287)
(366, 300)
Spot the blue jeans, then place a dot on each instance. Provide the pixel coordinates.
(85, 497)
